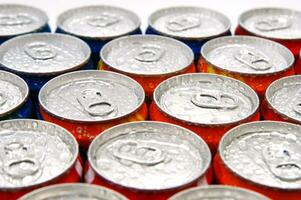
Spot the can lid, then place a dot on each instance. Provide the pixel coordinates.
(247, 55)
(149, 156)
(217, 192)
(284, 96)
(91, 96)
(98, 22)
(34, 152)
(265, 153)
(20, 19)
(146, 55)
(43, 53)
(274, 23)
(13, 93)
(189, 22)
(190, 97)
(73, 191)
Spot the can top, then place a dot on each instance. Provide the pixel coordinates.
(13, 93)
(91, 96)
(274, 23)
(20, 19)
(266, 153)
(34, 152)
(98, 22)
(147, 55)
(247, 55)
(43, 54)
(189, 22)
(190, 97)
(217, 192)
(73, 191)
(284, 96)
(149, 156)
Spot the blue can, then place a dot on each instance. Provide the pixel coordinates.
(192, 25)
(17, 20)
(98, 25)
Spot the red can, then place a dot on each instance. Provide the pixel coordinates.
(207, 104)
(148, 59)
(88, 102)
(281, 25)
(148, 160)
(256, 61)
(283, 100)
(264, 157)
(35, 154)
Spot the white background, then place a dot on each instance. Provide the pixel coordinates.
(231, 8)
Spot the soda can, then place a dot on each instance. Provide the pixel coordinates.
(278, 24)
(298, 64)
(88, 102)
(35, 154)
(97, 25)
(283, 100)
(207, 104)
(73, 191)
(262, 156)
(148, 160)
(148, 59)
(256, 61)
(14, 97)
(192, 25)
(217, 192)
(17, 19)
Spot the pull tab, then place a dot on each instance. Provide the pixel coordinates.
(150, 53)
(273, 23)
(254, 60)
(15, 20)
(3, 98)
(281, 163)
(137, 153)
(297, 108)
(215, 100)
(103, 20)
(40, 51)
(94, 103)
(183, 23)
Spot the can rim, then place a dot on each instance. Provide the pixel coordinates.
(151, 20)
(268, 95)
(246, 12)
(41, 74)
(235, 172)
(44, 107)
(24, 98)
(202, 173)
(207, 45)
(72, 163)
(254, 111)
(115, 41)
(63, 14)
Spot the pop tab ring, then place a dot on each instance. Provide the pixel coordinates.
(149, 53)
(182, 23)
(15, 20)
(40, 51)
(103, 20)
(273, 23)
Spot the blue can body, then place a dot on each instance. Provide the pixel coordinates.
(25, 111)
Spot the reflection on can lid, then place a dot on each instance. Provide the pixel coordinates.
(284, 95)
(19, 19)
(189, 22)
(44, 53)
(91, 96)
(147, 55)
(101, 22)
(266, 153)
(247, 55)
(275, 23)
(143, 156)
(217, 193)
(73, 191)
(13, 92)
(220, 99)
(33, 152)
